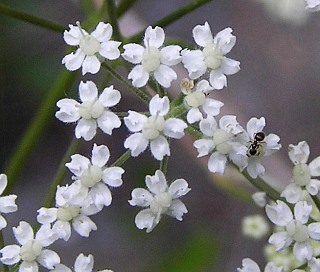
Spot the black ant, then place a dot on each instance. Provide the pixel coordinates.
(254, 146)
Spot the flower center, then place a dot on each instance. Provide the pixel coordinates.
(160, 203)
(297, 231)
(301, 174)
(152, 128)
(221, 140)
(67, 213)
(91, 109)
(30, 250)
(212, 56)
(195, 99)
(91, 176)
(151, 59)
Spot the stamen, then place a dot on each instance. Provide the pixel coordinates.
(81, 30)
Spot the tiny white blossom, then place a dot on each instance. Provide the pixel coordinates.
(303, 173)
(249, 265)
(32, 249)
(7, 203)
(95, 175)
(255, 226)
(260, 199)
(92, 48)
(212, 57)
(313, 5)
(196, 99)
(159, 199)
(153, 129)
(152, 59)
(92, 112)
(297, 230)
(219, 141)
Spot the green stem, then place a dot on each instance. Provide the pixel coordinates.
(122, 159)
(316, 201)
(177, 111)
(164, 164)
(114, 20)
(37, 127)
(145, 97)
(174, 16)
(124, 6)
(194, 132)
(31, 19)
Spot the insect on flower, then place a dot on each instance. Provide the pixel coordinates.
(256, 144)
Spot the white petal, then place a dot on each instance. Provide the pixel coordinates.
(135, 121)
(217, 163)
(230, 124)
(112, 176)
(108, 121)
(45, 235)
(208, 126)
(225, 40)
(164, 75)
(7, 204)
(69, 111)
(212, 106)
(194, 115)
(229, 66)
(314, 231)
(170, 55)
(88, 91)
(78, 164)
(202, 35)
(62, 229)
(73, 36)
(217, 79)
(83, 225)
(159, 105)
(61, 268)
(174, 128)
(292, 193)
(100, 155)
(10, 254)
(313, 187)
(83, 263)
(47, 215)
(157, 183)
(109, 97)
(29, 266)
(23, 233)
(255, 168)
(3, 182)
(86, 129)
(3, 222)
(141, 197)
(299, 153)
(133, 53)
(303, 251)
(160, 147)
(110, 50)
(178, 188)
(249, 265)
(302, 211)
(255, 125)
(154, 37)
(48, 258)
(103, 32)
(259, 199)
(101, 195)
(177, 209)
(193, 61)
(315, 167)
(91, 64)
(280, 240)
(272, 141)
(203, 146)
(145, 219)
(139, 76)
(136, 143)
(73, 61)
(279, 214)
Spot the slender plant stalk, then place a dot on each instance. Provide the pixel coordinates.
(31, 19)
(37, 127)
(124, 6)
(172, 17)
(122, 159)
(164, 165)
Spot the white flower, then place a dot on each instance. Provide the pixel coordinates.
(152, 59)
(93, 112)
(93, 48)
(95, 175)
(196, 98)
(260, 199)
(313, 5)
(211, 57)
(32, 248)
(153, 129)
(256, 149)
(297, 230)
(255, 226)
(82, 264)
(73, 207)
(7, 203)
(302, 173)
(159, 199)
(219, 141)
(249, 265)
